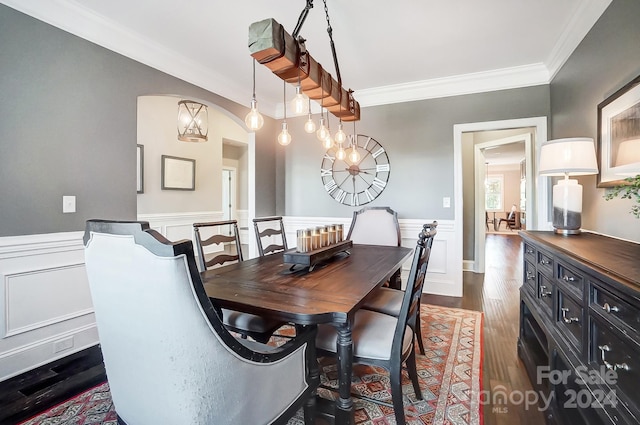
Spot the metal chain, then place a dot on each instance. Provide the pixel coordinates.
(333, 47)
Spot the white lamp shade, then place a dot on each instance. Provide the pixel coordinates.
(574, 157)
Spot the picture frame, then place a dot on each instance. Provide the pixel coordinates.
(618, 141)
(178, 173)
(140, 168)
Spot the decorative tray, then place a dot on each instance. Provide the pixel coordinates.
(312, 258)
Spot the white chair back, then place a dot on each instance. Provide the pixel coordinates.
(167, 362)
(375, 226)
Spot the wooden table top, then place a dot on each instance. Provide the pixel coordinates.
(330, 294)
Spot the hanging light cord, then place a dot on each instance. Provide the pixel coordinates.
(254, 79)
(284, 97)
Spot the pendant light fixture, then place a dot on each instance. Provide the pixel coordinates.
(284, 138)
(354, 155)
(341, 136)
(322, 132)
(254, 120)
(310, 125)
(328, 141)
(300, 102)
(193, 121)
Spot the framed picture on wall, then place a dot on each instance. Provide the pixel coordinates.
(178, 173)
(619, 135)
(140, 169)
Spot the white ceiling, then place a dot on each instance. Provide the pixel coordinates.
(388, 51)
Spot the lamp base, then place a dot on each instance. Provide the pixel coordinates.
(567, 231)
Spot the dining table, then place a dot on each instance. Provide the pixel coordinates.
(330, 294)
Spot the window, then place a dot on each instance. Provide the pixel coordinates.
(494, 193)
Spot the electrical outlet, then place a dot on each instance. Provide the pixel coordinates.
(446, 202)
(63, 344)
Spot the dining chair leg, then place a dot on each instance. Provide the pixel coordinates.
(413, 373)
(418, 332)
(395, 375)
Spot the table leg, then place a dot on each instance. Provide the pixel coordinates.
(344, 404)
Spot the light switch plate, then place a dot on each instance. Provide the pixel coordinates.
(446, 202)
(68, 204)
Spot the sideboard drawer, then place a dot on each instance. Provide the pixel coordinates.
(545, 294)
(620, 355)
(570, 279)
(530, 277)
(545, 263)
(529, 252)
(619, 312)
(569, 318)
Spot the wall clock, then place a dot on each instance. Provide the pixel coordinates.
(356, 182)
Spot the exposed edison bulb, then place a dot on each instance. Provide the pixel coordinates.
(327, 142)
(300, 103)
(341, 136)
(254, 119)
(322, 132)
(284, 138)
(354, 155)
(310, 125)
(341, 154)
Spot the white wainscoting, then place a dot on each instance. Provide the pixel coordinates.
(444, 277)
(46, 305)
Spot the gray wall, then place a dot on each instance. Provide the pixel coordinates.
(68, 127)
(418, 137)
(607, 59)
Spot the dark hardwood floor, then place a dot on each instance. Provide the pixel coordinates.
(495, 293)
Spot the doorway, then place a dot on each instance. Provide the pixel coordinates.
(228, 193)
(465, 230)
(509, 159)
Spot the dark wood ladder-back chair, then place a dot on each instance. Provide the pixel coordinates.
(388, 341)
(389, 301)
(377, 226)
(267, 227)
(169, 359)
(246, 324)
(217, 238)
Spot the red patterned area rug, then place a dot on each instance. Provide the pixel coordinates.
(450, 376)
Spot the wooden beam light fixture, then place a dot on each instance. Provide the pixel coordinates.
(287, 57)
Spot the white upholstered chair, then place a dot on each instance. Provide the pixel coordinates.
(168, 358)
(389, 301)
(384, 340)
(377, 226)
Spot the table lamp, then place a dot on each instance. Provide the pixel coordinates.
(568, 157)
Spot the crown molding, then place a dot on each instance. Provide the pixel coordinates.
(478, 82)
(78, 20)
(588, 13)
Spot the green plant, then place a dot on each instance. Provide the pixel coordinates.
(629, 190)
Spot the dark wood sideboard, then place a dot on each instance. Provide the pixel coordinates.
(580, 326)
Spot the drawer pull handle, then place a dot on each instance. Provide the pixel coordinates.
(543, 293)
(608, 308)
(618, 366)
(530, 276)
(545, 262)
(566, 319)
(529, 251)
(568, 278)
